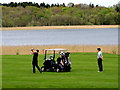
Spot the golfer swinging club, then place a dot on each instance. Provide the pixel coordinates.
(35, 60)
(100, 59)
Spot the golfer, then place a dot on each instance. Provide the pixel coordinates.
(35, 60)
(100, 59)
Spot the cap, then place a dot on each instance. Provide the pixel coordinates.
(99, 49)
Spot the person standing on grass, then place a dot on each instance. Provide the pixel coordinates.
(35, 60)
(100, 59)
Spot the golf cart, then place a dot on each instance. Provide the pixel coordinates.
(62, 62)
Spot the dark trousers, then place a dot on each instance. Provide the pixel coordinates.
(100, 64)
(35, 64)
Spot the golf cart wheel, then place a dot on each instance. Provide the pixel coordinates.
(58, 70)
(68, 69)
(42, 68)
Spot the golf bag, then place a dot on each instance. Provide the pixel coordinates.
(64, 63)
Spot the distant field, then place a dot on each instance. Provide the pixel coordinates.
(17, 73)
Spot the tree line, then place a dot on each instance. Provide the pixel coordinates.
(34, 14)
(41, 5)
(24, 4)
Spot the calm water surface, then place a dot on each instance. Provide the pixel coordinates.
(61, 37)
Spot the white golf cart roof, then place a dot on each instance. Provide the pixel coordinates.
(59, 49)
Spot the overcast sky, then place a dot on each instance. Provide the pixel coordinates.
(106, 3)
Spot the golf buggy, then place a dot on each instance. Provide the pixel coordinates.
(62, 62)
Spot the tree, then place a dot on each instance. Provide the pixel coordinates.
(47, 6)
(63, 5)
(56, 10)
(97, 5)
(117, 7)
(58, 5)
(91, 5)
(52, 5)
(42, 5)
(71, 4)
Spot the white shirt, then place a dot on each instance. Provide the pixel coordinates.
(100, 55)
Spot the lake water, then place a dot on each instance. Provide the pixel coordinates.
(102, 36)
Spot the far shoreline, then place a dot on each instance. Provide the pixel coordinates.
(59, 27)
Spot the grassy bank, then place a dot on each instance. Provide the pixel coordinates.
(17, 72)
(22, 50)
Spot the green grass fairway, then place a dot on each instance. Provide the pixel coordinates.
(17, 72)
